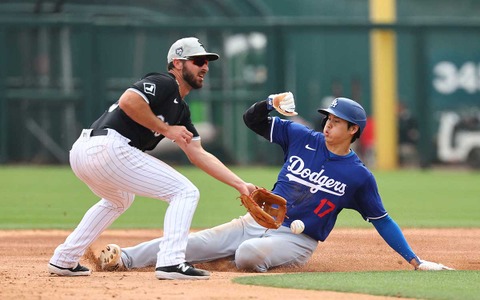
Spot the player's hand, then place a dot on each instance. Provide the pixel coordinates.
(249, 189)
(284, 103)
(431, 266)
(246, 188)
(178, 134)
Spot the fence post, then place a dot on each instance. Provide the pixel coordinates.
(422, 100)
(3, 96)
(384, 84)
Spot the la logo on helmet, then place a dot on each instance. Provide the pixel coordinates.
(334, 103)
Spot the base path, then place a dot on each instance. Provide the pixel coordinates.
(24, 256)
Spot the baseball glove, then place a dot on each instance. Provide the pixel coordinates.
(265, 207)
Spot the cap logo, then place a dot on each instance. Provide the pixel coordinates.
(179, 51)
(334, 103)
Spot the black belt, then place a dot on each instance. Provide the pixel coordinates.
(97, 132)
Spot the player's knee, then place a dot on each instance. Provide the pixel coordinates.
(188, 193)
(193, 193)
(249, 257)
(114, 205)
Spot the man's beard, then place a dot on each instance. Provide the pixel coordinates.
(190, 79)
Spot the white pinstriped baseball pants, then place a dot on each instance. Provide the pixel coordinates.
(116, 172)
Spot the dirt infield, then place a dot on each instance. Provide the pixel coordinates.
(24, 256)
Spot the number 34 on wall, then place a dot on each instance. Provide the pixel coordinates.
(448, 79)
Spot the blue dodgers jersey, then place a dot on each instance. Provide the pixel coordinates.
(316, 186)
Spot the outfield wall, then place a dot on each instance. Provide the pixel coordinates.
(61, 70)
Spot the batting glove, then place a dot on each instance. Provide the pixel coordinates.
(431, 266)
(284, 103)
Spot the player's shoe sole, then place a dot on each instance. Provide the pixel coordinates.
(79, 270)
(111, 258)
(183, 271)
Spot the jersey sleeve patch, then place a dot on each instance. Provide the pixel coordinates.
(149, 88)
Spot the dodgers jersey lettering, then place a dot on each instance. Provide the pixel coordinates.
(316, 189)
(161, 92)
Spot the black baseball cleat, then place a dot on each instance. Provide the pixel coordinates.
(79, 270)
(183, 271)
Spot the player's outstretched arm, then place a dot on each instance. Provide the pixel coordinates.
(392, 234)
(211, 165)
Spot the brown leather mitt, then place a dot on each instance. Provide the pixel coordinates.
(266, 208)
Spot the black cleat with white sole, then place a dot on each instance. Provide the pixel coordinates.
(181, 271)
(79, 270)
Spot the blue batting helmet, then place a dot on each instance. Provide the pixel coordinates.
(348, 110)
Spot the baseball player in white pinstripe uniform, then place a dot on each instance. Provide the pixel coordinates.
(109, 157)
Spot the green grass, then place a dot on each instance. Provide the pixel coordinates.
(52, 197)
(434, 198)
(406, 284)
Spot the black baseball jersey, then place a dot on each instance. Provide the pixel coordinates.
(161, 92)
